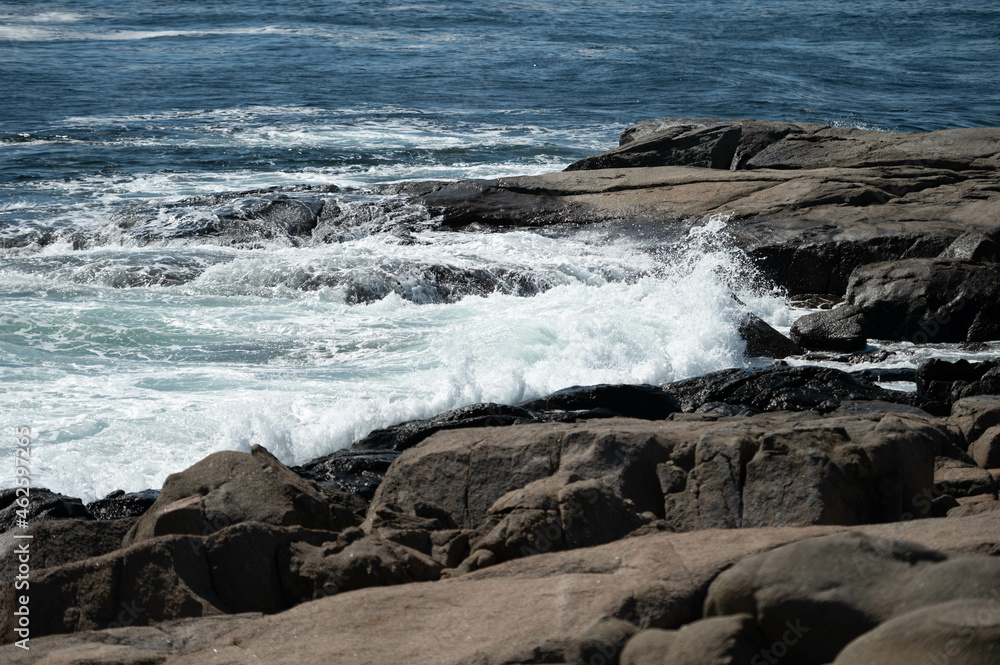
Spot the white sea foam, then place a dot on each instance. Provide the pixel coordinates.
(138, 383)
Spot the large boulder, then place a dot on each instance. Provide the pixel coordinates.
(586, 483)
(838, 587)
(917, 300)
(226, 488)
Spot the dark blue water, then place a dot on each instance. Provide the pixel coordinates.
(105, 73)
(126, 378)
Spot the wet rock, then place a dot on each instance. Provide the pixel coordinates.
(917, 300)
(763, 341)
(40, 505)
(951, 381)
(831, 330)
(965, 631)
(226, 488)
(358, 472)
(641, 401)
(973, 246)
(118, 504)
(782, 388)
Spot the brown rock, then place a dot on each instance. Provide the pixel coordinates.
(838, 587)
(528, 609)
(986, 449)
(728, 640)
(962, 480)
(226, 488)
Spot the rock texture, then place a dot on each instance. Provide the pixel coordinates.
(227, 488)
(523, 611)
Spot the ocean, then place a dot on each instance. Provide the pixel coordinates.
(134, 353)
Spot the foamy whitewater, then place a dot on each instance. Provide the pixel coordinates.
(152, 346)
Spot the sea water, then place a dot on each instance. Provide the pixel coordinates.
(133, 359)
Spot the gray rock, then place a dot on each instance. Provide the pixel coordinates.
(962, 631)
(601, 641)
(835, 588)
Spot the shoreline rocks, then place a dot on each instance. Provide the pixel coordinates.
(746, 514)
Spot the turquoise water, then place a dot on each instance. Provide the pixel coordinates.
(133, 359)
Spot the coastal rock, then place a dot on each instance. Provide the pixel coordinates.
(177, 576)
(754, 144)
(838, 587)
(809, 203)
(918, 300)
(551, 514)
(601, 641)
(119, 505)
(127, 644)
(705, 472)
(226, 488)
(782, 388)
(836, 329)
(960, 479)
(966, 631)
(42, 505)
(947, 381)
(728, 640)
(57, 542)
(763, 341)
(640, 401)
(648, 647)
(357, 472)
(973, 246)
(985, 450)
(525, 610)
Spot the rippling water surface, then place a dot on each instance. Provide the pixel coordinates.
(135, 344)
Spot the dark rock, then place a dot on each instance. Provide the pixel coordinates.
(886, 374)
(57, 542)
(783, 388)
(642, 401)
(917, 300)
(601, 641)
(408, 434)
(833, 330)
(226, 488)
(960, 479)
(972, 246)
(42, 505)
(358, 472)
(763, 341)
(119, 505)
(949, 382)
(966, 630)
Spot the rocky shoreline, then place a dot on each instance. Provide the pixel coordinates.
(792, 514)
